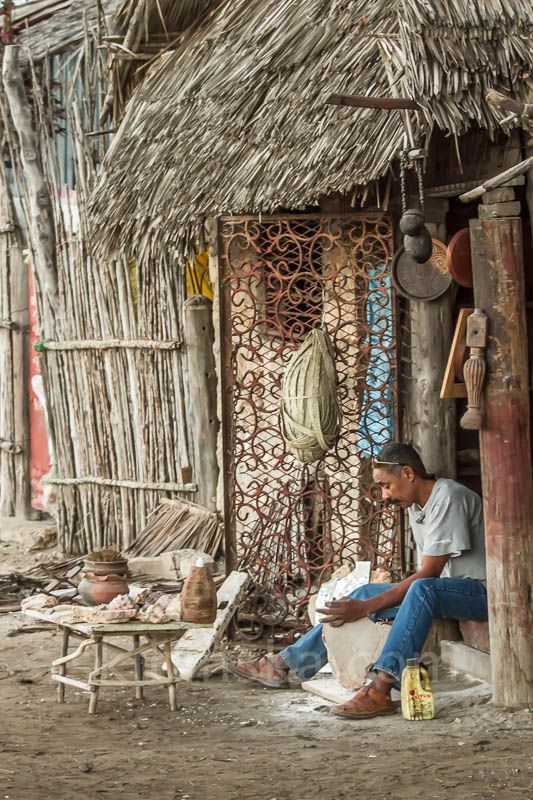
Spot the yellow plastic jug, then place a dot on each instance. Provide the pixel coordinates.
(417, 697)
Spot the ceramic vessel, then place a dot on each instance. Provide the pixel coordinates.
(98, 589)
(199, 596)
(106, 567)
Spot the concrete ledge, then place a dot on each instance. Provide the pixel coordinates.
(461, 658)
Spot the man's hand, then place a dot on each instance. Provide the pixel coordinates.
(344, 610)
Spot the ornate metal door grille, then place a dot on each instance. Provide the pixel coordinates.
(290, 525)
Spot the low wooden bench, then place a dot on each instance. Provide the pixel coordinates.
(159, 638)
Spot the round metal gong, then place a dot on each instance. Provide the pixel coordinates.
(421, 281)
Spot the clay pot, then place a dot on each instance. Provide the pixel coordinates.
(106, 567)
(96, 589)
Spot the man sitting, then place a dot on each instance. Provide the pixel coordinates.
(447, 524)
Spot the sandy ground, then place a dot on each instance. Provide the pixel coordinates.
(230, 740)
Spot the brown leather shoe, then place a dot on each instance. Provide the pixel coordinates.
(367, 703)
(261, 671)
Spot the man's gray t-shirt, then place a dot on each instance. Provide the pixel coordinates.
(451, 523)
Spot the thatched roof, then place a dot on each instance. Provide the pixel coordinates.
(163, 16)
(45, 27)
(236, 121)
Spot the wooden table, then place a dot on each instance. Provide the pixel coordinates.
(159, 639)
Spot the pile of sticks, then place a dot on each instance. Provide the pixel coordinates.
(177, 525)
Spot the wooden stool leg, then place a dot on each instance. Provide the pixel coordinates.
(170, 676)
(97, 664)
(138, 668)
(63, 667)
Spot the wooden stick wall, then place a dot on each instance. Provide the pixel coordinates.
(117, 413)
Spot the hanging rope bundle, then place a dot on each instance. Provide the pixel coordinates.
(310, 412)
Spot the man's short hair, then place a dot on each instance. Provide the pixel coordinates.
(397, 454)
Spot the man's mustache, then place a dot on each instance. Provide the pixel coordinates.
(388, 503)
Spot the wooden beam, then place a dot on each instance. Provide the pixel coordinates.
(497, 180)
(202, 397)
(362, 101)
(505, 445)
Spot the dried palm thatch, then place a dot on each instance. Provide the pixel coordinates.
(235, 120)
(50, 26)
(141, 30)
(163, 16)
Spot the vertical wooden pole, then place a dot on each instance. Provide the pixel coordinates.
(505, 445)
(202, 397)
(41, 227)
(63, 667)
(98, 661)
(138, 666)
(14, 366)
(432, 420)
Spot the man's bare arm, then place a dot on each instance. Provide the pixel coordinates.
(347, 610)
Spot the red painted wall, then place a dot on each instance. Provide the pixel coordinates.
(39, 450)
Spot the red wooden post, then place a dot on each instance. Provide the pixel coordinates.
(505, 444)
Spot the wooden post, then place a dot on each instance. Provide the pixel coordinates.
(432, 420)
(41, 228)
(505, 445)
(202, 398)
(14, 388)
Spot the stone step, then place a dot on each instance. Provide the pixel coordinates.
(459, 657)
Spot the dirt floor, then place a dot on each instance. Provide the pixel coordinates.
(230, 740)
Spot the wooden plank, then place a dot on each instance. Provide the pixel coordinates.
(450, 388)
(195, 647)
(161, 681)
(85, 629)
(328, 689)
(145, 627)
(495, 210)
(503, 195)
(71, 682)
(505, 446)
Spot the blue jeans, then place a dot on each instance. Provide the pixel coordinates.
(426, 599)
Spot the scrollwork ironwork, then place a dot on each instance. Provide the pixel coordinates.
(280, 278)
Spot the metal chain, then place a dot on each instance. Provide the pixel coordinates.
(403, 188)
(420, 178)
